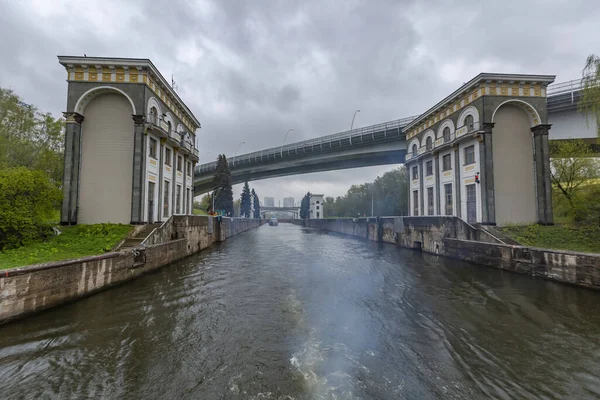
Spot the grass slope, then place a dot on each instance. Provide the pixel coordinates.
(584, 238)
(73, 242)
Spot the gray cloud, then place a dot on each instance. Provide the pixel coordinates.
(251, 71)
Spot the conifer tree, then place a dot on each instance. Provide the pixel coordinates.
(305, 206)
(222, 187)
(256, 205)
(245, 201)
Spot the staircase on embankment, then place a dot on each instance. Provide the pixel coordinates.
(137, 237)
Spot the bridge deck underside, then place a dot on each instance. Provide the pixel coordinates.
(376, 148)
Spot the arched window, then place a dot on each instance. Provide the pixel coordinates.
(469, 122)
(153, 115)
(169, 126)
(429, 143)
(414, 150)
(446, 133)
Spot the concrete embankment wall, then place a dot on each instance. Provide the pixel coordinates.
(453, 237)
(29, 289)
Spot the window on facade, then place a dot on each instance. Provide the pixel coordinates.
(318, 214)
(167, 156)
(317, 202)
(317, 207)
(430, 201)
(166, 199)
(415, 172)
(469, 123)
(429, 143)
(188, 168)
(169, 126)
(446, 133)
(153, 115)
(447, 162)
(179, 163)
(470, 154)
(414, 150)
(153, 144)
(429, 167)
(178, 200)
(415, 203)
(448, 198)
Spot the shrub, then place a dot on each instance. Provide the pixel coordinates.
(28, 202)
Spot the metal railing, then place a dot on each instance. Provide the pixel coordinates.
(564, 87)
(172, 133)
(276, 152)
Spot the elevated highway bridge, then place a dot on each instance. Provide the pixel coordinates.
(378, 144)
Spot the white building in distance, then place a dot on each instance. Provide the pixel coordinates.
(316, 206)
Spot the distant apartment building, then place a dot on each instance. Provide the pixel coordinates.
(316, 206)
(288, 202)
(269, 202)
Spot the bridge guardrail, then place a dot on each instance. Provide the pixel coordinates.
(277, 151)
(564, 87)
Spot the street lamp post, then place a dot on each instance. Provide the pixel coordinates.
(235, 154)
(352, 125)
(285, 137)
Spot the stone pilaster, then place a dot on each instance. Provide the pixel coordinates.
(174, 183)
(184, 187)
(161, 180)
(409, 194)
(421, 186)
(457, 180)
(436, 165)
(139, 161)
(72, 164)
(486, 176)
(541, 148)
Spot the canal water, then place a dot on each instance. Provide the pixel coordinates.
(291, 313)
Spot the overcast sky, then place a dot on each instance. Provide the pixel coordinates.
(249, 71)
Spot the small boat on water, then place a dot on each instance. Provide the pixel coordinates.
(273, 221)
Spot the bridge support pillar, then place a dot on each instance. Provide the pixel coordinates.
(139, 155)
(542, 173)
(68, 211)
(486, 175)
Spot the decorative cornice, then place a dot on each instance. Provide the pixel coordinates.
(73, 118)
(161, 86)
(138, 119)
(541, 129)
(484, 84)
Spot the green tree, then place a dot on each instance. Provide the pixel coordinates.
(388, 194)
(30, 138)
(237, 205)
(572, 167)
(329, 207)
(28, 203)
(590, 99)
(256, 203)
(223, 191)
(305, 206)
(203, 204)
(246, 201)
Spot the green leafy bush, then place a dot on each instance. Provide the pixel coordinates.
(28, 202)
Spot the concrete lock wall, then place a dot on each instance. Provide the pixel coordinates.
(453, 237)
(29, 289)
